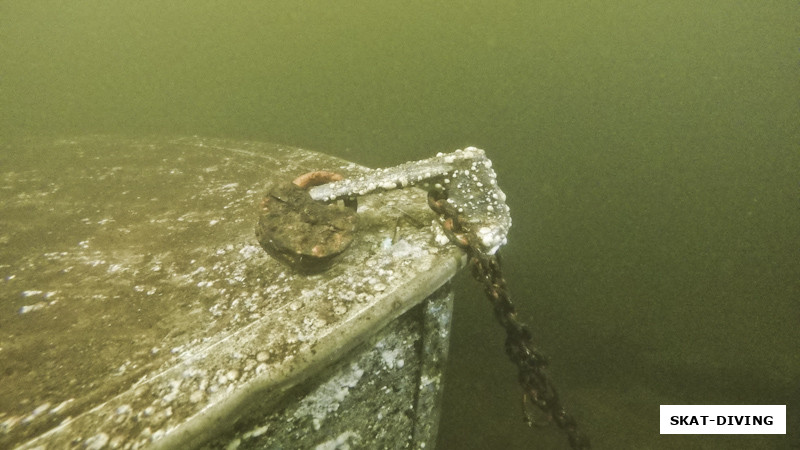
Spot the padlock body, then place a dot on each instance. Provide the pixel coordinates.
(301, 232)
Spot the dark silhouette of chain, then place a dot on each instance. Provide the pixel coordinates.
(536, 384)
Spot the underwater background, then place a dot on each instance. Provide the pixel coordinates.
(650, 152)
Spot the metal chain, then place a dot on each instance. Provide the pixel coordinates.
(536, 384)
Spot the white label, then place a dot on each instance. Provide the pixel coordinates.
(723, 419)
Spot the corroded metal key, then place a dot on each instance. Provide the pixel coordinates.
(467, 177)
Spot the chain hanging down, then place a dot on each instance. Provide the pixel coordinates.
(462, 189)
(486, 268)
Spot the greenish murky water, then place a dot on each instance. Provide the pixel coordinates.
(650, 154)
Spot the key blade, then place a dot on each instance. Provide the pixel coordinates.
(468, 177)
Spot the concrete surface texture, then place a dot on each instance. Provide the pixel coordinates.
(138, 308)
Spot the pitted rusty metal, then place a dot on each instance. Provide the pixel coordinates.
(308, 234)
(304, 233)
(316, 178)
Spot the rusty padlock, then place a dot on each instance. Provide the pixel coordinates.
(304, 233)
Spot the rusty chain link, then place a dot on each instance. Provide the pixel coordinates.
(535, 382)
